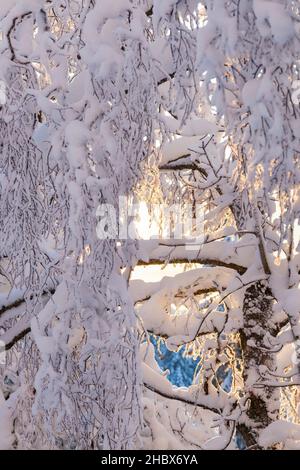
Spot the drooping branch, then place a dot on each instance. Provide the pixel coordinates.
(201, 261)
(186, 401)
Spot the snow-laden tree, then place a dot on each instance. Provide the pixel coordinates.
(165, 101)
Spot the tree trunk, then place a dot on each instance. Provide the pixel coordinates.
(263, 403)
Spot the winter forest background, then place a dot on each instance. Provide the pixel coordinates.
(117, 330)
